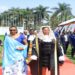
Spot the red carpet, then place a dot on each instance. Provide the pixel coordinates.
(68, 68)
(0, 71)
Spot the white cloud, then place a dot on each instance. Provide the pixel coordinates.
(3, 8)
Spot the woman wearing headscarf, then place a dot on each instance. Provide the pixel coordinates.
(15, 53)
(46, 50)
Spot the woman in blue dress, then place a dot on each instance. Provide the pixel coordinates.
(15, 53)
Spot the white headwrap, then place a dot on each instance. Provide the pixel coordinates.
(50, 36)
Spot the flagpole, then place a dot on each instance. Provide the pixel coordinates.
(55, 59)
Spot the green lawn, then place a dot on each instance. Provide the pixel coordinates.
(69, 54)
(1, 48)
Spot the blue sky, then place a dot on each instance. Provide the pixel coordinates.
(7, 4)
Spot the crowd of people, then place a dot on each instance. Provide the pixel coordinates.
(67, 38)
(32, 50)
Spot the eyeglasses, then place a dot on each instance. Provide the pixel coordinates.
(12, 30)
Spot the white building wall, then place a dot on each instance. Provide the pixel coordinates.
(4, 30)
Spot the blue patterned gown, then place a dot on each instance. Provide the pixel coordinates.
(13, 59)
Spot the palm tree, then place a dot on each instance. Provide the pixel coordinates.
(63, 10)
(28, 16)
(4, 18)
(16, 16)
(62, 13)
(40, 13)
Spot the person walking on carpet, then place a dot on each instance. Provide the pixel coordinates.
(14, 54)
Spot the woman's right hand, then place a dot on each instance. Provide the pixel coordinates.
(20, 48)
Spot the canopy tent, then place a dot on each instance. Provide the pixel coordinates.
(68, 25)
(67, 22)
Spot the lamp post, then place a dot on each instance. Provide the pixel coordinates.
(24, 27)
